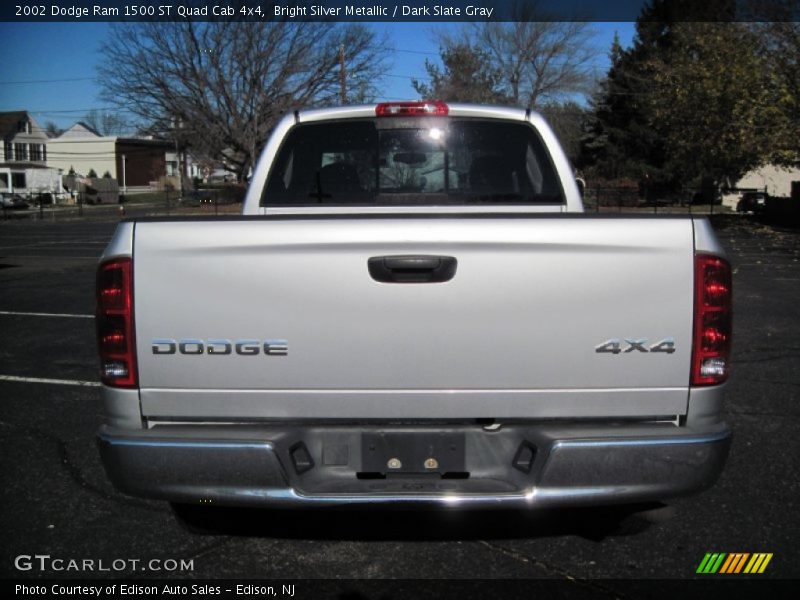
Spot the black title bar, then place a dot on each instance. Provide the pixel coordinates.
(398, 11)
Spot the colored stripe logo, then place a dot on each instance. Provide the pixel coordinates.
(734, 563)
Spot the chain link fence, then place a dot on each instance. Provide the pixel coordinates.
(212, 201)
(216, 201)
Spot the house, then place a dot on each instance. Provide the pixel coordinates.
(136, 163)
(23, 165)
(190, 167)
(80, 130)
(776, 181)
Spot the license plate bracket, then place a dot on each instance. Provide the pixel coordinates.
(412, 452)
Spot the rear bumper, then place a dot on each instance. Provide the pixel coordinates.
(517, 466)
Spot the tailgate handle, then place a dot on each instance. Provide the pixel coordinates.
(412, 269)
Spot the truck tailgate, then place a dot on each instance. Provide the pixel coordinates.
(514, 333)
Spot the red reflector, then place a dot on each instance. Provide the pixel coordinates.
(435, 108)
(716, 284)
(713, 340)
(712, 321)
(115, 333)
(111, 287)
(111, 295)
(114, 342)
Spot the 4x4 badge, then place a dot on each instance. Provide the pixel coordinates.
(614, 346)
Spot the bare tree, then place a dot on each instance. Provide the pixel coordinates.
(219, 87)
(52, 130)
(537, 59)
(107, 123)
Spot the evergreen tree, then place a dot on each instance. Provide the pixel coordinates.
(466, 76)
(690, 101)
(620, 141)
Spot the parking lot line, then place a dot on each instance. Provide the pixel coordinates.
(60, 257)
(50, 381)
(37, 314)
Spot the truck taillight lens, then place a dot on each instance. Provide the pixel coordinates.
(435, 108)
(712, 321)
(115, 334)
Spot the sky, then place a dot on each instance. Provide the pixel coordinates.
(50, 68)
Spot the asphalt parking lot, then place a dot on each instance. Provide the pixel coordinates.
(56, 500)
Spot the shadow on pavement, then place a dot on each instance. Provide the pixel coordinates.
(594, 524)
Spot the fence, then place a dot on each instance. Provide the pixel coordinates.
(628, 200)
(208, 202)
(222, 201)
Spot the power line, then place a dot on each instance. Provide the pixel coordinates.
(48, 80)
(70, 79)
(47, 111)
(417, 52)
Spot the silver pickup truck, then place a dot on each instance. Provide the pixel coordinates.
(412, 309)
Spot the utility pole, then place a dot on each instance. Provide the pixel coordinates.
(181, 164)
(124, 182)
(179, 168)
(253, 157)
(342, 77)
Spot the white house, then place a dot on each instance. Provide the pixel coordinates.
(136, 163)
(776, 181)
(23, 168)
(79, 130)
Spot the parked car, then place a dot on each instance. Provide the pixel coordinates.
(752, 202)
(14, 202)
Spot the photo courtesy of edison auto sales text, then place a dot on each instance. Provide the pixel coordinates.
(123, 589)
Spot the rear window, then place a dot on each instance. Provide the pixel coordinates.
(412, 162)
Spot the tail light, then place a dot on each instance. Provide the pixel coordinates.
(435, 108)
(115, 334)
(712, 321)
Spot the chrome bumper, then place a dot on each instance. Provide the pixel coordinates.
(564, 465)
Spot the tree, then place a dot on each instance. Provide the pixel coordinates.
(539, 60)
(107, 123)
(712, 102)
(92, 174)
(779, 47)
(52, 130)
(528, 62)
(566, 119)
(218, 88)
(690, 101)
(619, 141)
(466, 76)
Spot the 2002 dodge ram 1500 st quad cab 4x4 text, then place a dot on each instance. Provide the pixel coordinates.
(412, 309)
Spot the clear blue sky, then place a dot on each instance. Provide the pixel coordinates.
(49, 68)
